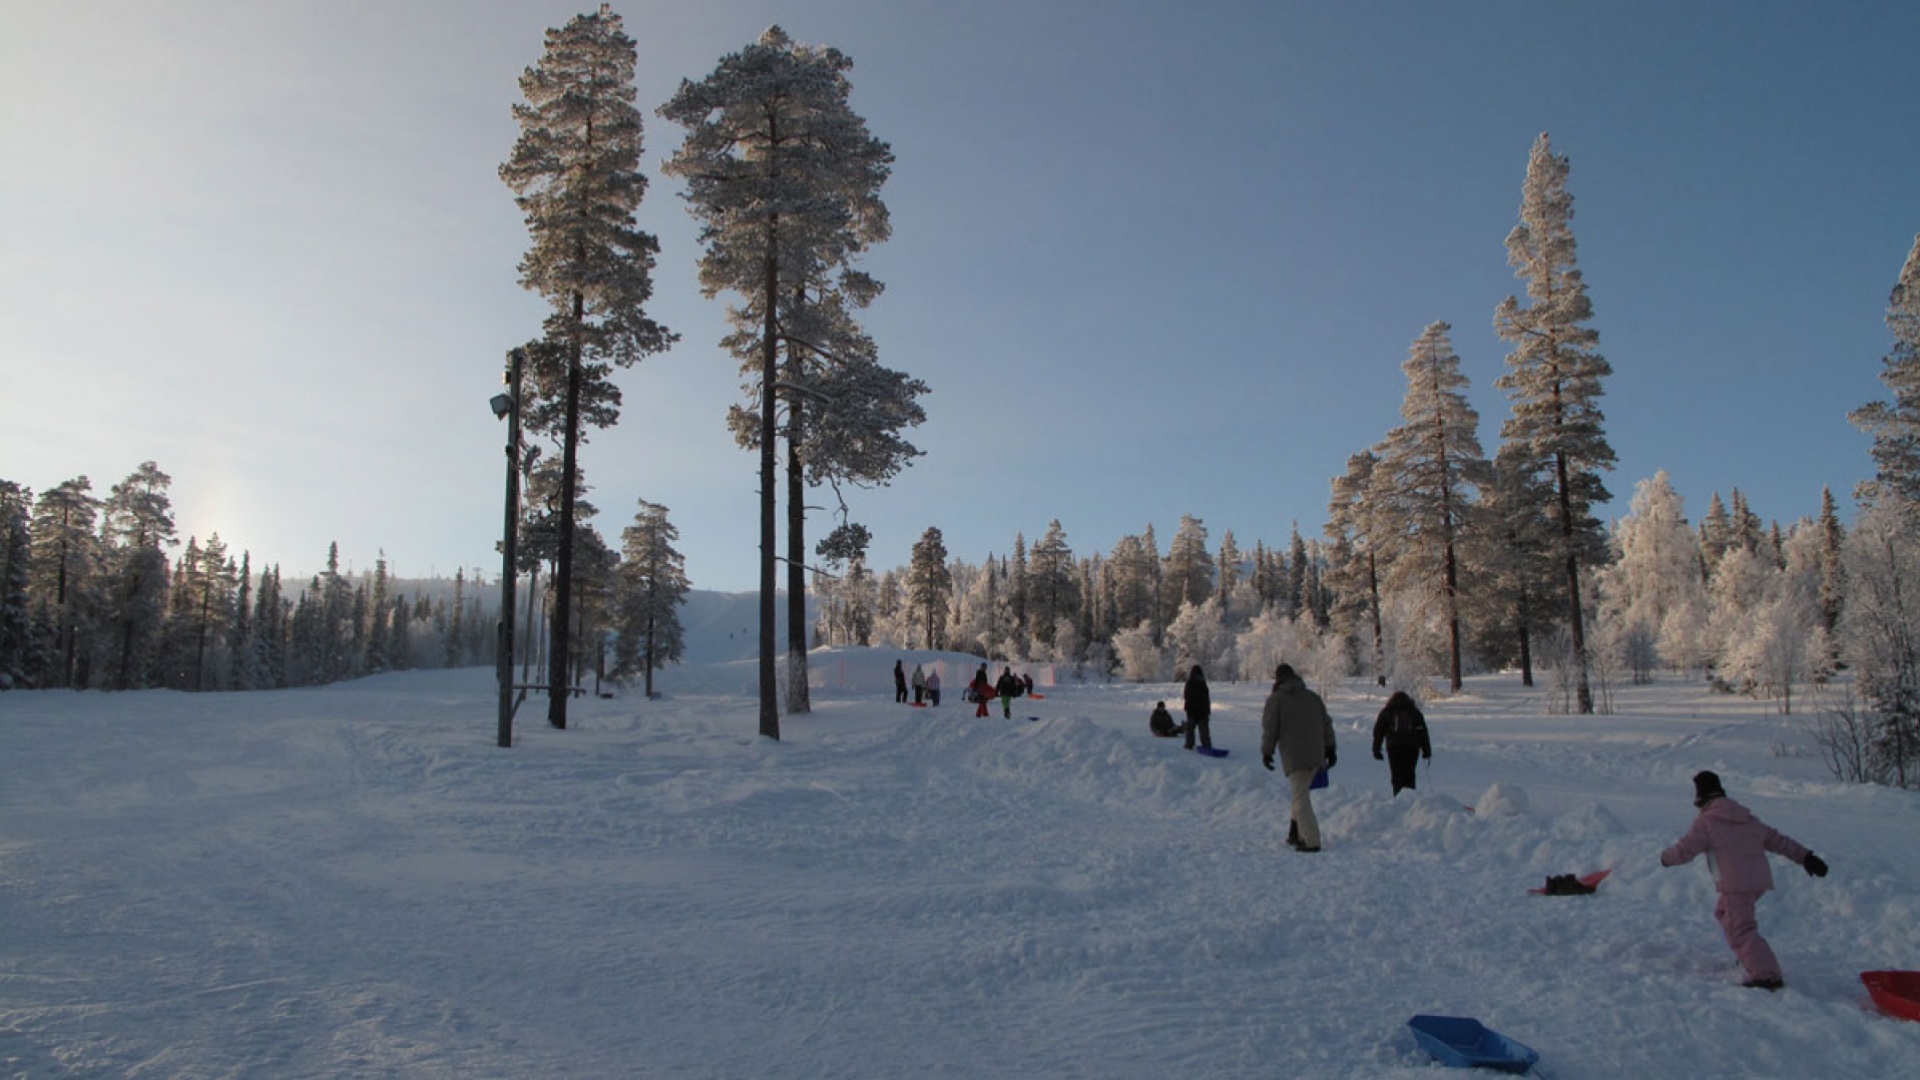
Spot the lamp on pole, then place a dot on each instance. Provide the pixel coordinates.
(507, 407)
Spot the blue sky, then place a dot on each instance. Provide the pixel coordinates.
(1153, 259)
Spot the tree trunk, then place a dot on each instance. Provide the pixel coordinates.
(798, 698)
(1576, 628)
(769, 373)
(559, 672)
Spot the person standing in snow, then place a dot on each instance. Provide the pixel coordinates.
(1295, 722)
(982, 689)
(1403, 728)
(1198, 705)
(919, 685)
(1161, 722)
(1008, 687)
(933, 687)
(899, 682)
(1736, 845)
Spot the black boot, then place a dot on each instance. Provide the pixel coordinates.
(1293, 833)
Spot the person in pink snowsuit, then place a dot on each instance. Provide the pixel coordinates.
(1736, 845)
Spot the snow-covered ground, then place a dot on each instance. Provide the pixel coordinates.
(354, 881)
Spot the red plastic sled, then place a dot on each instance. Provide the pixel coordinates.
(1589, 880)
(1897, 993)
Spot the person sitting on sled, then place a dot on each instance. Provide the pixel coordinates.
(1736, 845)
(1161, 722)
(1403, 728)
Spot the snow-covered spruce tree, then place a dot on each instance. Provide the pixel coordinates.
(66, 554)
(1430, 470)
(929, 589)
(1297, 597)
(1895, 425)
(1833, 571)
(1354, 520)
(1553, 380)
(651, 586)
(575, 174)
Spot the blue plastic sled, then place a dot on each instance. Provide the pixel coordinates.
(1461, 1042)
(1210, 751)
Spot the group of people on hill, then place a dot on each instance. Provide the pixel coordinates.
(1294, 722)
(1295, 726)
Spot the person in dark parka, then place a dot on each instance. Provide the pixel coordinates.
(899, 682)
(1198, 707)
(1403, 729)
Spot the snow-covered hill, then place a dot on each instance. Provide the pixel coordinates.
(354, 881)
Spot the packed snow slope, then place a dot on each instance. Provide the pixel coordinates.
(355, 881)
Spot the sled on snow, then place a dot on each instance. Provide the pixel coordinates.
(1896, 993)
(1210, 751)
(1570, 885)
(1461, 1042)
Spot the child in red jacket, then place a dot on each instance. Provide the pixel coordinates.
(1736, 845)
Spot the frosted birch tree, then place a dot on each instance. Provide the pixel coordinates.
(1430, 468)
(784, 178)
(575, 174)
(1554, 382)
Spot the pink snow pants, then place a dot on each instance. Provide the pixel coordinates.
(1742, 928)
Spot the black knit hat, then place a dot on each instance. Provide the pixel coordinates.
(1283, 673)
(1706, 788)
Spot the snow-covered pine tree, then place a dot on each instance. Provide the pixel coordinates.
(1053, 586)
(377, 656)
(1187, 574)
(1513, 550)
(652, 585)
(1655, 575)
(16, 546)
(1228, 576)
(138, 527)
(1431, 468)
(1833, 572)
(1297, 600)
(1554, 382)
(66, 554)
(785, 180)
(1353, 520)
(1129, 583)
(575, 174)
(929, 588)
(1895, 425)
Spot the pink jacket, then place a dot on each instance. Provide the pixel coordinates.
(1736, 845)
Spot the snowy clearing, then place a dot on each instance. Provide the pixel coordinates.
(354, 881)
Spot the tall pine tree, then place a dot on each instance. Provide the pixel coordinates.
(1430, 468)
(575, 174)
(784, 179)
(1554, 383)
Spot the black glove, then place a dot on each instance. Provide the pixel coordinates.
(1332, 758)
(1267, 760)
(1378, 756)
(1815, 865)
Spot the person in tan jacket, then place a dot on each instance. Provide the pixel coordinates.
(1295, 722)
